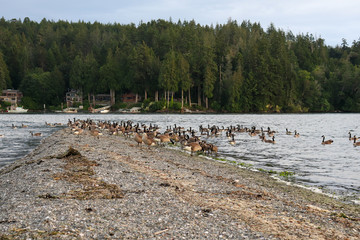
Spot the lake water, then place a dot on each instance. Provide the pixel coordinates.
(334, 168)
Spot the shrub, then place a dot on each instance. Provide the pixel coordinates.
(155, 106)
(146, 103)
(175, 106)
(119, 105)
(216, 106)
(29, 103)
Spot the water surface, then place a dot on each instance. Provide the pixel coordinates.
(334, 167)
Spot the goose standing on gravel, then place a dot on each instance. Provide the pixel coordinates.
(195, 147)
(147, 140)
(163, 138)
(138, 138)
(213, 149)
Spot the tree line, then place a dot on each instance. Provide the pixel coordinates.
(229, 67)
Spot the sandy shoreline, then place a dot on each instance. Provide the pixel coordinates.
(110, 188)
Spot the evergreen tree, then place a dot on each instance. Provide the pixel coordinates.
(4, 74)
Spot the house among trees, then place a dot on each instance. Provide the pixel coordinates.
(73, 96)
(103, 99)
(130, 98)
(12, 96)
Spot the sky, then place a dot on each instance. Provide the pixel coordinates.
(332, 20)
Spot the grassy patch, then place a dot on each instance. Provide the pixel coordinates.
(267, 171)
(220, 159)
(246, 165)
(286, 174)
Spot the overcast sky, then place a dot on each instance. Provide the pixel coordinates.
(331, 20)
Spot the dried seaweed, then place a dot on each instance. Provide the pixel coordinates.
(80, 170)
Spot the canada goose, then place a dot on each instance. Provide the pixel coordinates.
(330, 141)
(206, 148)
(232, 141)
(95, 133)
(35, 134)
(262, 136)
(271, 133)
(195, 147)
(165, 138)
(255, 131)
(13, 126)
(228, 134)
(288, 132)
(148, 141)
(138, 138)
(213, 149)
(24, 126)
(185, 146)
(352, 138)
(296, 134)
(252, 133)
(78, 131)
(356, 143)
(175, 137)
(270, 141)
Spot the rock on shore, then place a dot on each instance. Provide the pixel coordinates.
(107, 187)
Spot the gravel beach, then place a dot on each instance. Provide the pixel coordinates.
(109, 187)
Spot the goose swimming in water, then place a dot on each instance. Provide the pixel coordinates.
(296, 135)
(35, 134)
(330, 141)
(270, 141)
(356, 143)
(232, 141)
(352, 138)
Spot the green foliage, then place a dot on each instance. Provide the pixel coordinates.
(30, 103)
(286, 174)
(138, 104)
(175, 106)
(146, 103)
(267, 171)
(234, 67)
(4, 74)
(216, 106)
(119, 105)
(4, 105)
(156, 106)
(43, 87)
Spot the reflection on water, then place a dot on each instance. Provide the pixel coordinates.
(334, 167)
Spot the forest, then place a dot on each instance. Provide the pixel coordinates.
(231, 67)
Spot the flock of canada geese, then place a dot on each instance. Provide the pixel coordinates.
(189, 139)
(36, 134)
